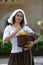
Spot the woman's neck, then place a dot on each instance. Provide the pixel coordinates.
(16, 25)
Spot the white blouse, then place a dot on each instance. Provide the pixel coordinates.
(8, 30)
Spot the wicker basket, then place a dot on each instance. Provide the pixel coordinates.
(24, 39)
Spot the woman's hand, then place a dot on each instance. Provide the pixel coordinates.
(30, 45)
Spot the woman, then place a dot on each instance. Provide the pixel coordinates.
(18, 55)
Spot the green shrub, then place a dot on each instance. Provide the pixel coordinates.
(35, 50)
(0, 44)
(6, 47)
(40, 42)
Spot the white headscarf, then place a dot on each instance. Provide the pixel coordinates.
(14, 13)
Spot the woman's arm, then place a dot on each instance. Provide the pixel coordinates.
(36, 41)
(7, 38)
(31, 44)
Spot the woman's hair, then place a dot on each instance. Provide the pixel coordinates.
(21, 23)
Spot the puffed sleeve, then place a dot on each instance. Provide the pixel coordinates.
(6, 32)
(28, 29)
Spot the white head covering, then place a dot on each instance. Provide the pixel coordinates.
(14, 13)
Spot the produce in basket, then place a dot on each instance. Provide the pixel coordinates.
(24, 39)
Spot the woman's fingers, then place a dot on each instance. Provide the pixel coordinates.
(31, 44)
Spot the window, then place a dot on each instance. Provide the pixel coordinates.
(9, 0)
(5, 0)
(12, 1)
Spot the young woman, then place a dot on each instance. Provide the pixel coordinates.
(18, 56)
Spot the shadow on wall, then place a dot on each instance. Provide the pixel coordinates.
(3, 21)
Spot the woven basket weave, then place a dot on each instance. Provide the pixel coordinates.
(24, 39)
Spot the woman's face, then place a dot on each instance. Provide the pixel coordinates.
(18, 17)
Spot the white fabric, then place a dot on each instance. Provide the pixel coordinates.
(8, 30)
(14, 13)
(28, 29)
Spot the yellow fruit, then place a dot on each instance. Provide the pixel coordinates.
(23, 33)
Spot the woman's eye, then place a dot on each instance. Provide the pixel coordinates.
(19, 16)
